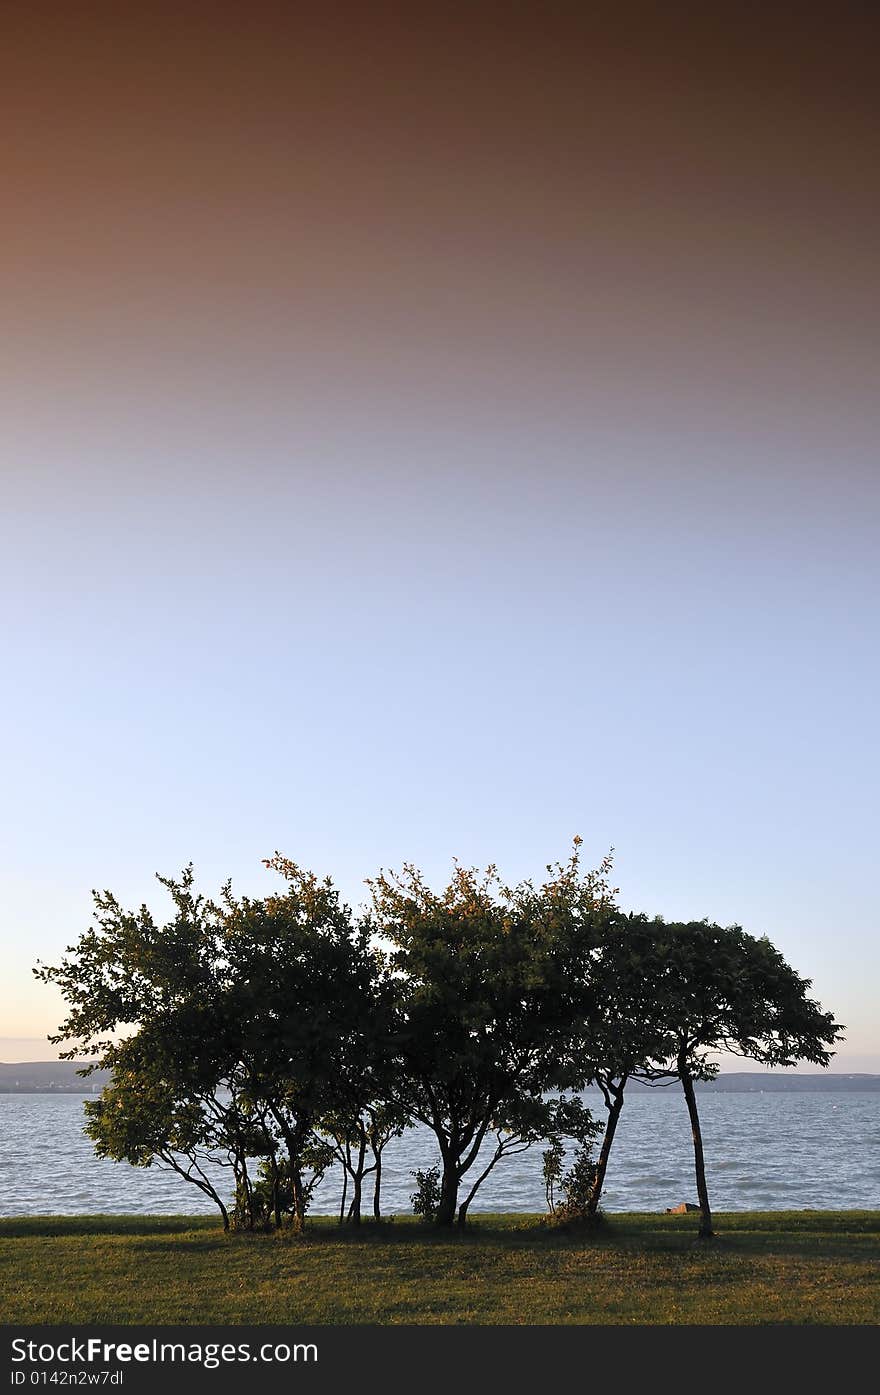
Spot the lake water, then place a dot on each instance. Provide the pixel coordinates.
(763, 1151)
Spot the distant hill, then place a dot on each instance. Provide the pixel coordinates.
(60, 1077)
(782, 1082)
(49, 1077)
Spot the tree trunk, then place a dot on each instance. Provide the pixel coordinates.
(294, 1139)
(276, 1193)
(201, 1182)
(299, 1200)
(344, 1193)
(354, 1213)
(243, 1196)
(377, 1187)
(687, 1085)
(463, 1208)
(354, 1210)
(614, 1110)
(448, 1195)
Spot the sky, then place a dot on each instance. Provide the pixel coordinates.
(441, 432)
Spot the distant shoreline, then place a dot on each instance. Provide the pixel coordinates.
(60, 1078)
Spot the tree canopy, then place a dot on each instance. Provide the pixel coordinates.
(484, 976)
(722, 989)
(276, 1037)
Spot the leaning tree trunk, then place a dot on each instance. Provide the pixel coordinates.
(463, 1208)
(614, 1110)
(223, 1212)
(687, 1085)
(344, 1193)
(203, 1185)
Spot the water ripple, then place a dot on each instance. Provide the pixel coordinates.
(768, 1152)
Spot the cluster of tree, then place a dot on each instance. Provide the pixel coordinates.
(280, 1036)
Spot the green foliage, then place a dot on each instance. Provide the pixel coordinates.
(718, 988)
(229, 1030)
(552, 1159)
(570, 1120)
(275, 1036)
(484, 976)
(577, 1186)
(426, 1197)
(273, 1194)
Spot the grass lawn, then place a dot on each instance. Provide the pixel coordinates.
(768, 1267)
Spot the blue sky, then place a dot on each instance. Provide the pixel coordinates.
(384, 656)
(446, 481)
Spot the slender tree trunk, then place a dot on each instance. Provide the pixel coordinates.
(354, 1214)
(354, 1210)
(244, 1201)
(614, 1110)
(244, 1180)
(463, 1208)
(344, 1194)
(294, 1139)
(299, 1200)
(273, 1207)
(203, 1185)
(377, 1186)
(276, 1192)
(687, 1085)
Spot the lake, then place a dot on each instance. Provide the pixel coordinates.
(770, 1151)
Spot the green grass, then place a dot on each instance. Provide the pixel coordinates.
(769, 1267)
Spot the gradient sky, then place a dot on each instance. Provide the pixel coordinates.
(431, 436)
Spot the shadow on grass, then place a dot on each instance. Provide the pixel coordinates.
(845, 1234)
(804, 1233)
(509, 1231)
(59, 1226)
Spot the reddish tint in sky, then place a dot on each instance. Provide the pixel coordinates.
(436, 432)
(563, 201)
